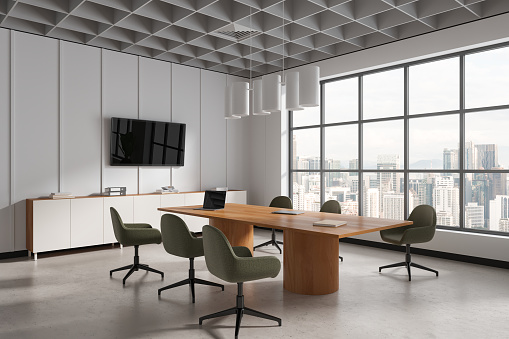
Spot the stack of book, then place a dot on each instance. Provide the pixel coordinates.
(160, 191)
(61, 195)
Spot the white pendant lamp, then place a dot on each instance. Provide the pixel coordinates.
(240, 99)
(228, 104)
(257, 98)
(292, 92)
(309, 87)
(271, 93)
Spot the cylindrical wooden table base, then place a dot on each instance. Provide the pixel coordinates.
(238, 234)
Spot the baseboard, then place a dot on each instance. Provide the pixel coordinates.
(19, 254)
(430, 253)
(15, 254)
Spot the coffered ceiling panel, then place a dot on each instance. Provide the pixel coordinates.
(240, 37)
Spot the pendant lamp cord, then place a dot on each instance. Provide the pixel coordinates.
(283, 73)
(250, 48)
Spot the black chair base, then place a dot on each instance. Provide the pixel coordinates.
(341, 258)
(272, 242)
(240, 310)
(190, 281)
(135, 267)
(408, 263)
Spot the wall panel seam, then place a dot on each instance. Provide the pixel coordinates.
(102, 121)
(60, 122)
(11, 132)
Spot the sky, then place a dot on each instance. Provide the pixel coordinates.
(433, 86)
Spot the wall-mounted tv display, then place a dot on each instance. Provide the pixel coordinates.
(146, 143)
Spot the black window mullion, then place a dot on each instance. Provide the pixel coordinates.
(360, 165)
(406, 155)
(322, 146)
(290, 155)
(461, 150)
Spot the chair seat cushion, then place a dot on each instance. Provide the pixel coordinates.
(141, 236)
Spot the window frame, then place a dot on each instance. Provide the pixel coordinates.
(461, 112)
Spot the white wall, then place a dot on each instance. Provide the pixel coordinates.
(54, 133)
(475, 34)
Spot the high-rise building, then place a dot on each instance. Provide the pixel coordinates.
(470, 155)
(450, 158)
(294, 155)
(499, 211)
(503, 225)
(474, 216)
(353, 165)
(371, 203)
(487, 156)
(387, 181)
(446, 200)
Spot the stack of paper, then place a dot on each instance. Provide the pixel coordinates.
(329, 223)
(61, 195)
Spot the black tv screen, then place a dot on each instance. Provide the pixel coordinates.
(147, 143)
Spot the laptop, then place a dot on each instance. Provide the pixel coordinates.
(213, 200)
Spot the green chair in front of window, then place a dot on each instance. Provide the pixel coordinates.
(422, 230)
(280, 202)
(179, 241)
(332, 206)
(134, 235)
(236, 265)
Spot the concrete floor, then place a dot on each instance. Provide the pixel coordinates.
(73, 296)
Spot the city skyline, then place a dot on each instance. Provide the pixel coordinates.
(485, 195)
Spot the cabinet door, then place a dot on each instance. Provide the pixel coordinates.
(52, 225)
(86, 222)
(124, 207)
(195, 224)
(237, 197)
(145, 210)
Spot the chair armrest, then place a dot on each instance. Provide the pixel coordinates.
(197, 234)
(242, 251)
(418, 234)
(137, 225)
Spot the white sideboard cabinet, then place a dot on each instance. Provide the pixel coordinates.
(56, 224)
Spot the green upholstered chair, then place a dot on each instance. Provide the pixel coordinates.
(236, 265)
(281, 202)
(134, 235)
(177, 240)
(332, 206)
(422, 230)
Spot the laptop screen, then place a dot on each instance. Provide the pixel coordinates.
(214, 199)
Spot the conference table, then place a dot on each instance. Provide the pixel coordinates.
(311, 253)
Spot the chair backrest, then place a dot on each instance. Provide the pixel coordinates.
(331, 206)
(424, 216)
(219, 255)
(118, 225)
(177, 239)
(281, 202)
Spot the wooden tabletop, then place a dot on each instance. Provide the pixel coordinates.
(262, 216)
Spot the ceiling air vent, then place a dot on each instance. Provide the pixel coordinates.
(236, 32)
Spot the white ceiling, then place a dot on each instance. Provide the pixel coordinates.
(188, 31)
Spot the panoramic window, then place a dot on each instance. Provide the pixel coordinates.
(432, 132)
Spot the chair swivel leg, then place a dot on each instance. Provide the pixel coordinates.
(408, 263)
(272, 242)
(135, 267)
(240, 310)
(191, 281)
